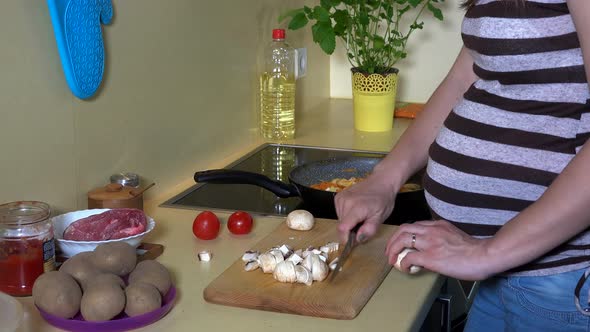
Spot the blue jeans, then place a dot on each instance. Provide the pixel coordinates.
(529, 304)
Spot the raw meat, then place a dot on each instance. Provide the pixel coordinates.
(109, 225)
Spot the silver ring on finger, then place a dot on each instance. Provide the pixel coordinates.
(413, 245)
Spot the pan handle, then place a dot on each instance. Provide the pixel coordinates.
(227, 176)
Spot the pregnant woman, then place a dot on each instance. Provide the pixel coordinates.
(504, 141)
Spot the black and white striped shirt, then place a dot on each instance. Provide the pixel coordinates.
(516, 127)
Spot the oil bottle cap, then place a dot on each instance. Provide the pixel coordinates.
(278, 34)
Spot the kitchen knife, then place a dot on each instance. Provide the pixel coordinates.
(346, 251)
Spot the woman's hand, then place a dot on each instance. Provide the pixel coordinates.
(441, 247)
(369, 201)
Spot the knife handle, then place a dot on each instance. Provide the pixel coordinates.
(356, 228)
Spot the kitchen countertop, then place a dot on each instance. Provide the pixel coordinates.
(399, 304)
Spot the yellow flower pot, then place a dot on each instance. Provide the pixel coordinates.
(373, 99)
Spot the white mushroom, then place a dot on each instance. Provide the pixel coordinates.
(285, 272)
(317, 252)
(303, 275)
(306, 252)
(400, 257)
(250, 255)
(286, 250)
(270, 259)
(295, 258)
(307, 261)
(267, 262)
(204, 256)
(278, 255)
(318, 268)
(333, 264)
(251, 265)
(287, 265)
(330, 247)
(300, 220)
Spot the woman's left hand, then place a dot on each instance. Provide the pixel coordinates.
(441, 247)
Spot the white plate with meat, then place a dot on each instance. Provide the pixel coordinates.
(83, 230)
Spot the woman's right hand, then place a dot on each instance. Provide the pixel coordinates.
(370, 201)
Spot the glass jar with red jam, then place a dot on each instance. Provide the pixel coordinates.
(26, 245)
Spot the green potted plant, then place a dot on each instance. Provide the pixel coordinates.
(374, 34)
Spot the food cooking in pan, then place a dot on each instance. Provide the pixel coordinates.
(336, 184)
(339, 184)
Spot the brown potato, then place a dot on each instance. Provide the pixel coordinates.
(80, 267)
(141, 298)
(115, 257)
(102, 302)
(100, 278)
(154, 273)
(57, 293)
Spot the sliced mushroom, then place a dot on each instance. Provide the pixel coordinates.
(267, 262)
(306, 252)
(330, 247)
(318, 268)
(285, 272)
(250, 255)
(251, 265)
(303, 275)
(286, 250)
(307, 261)
(296, 259)
(333, 264)
(287, 265)
(204, 256)
(278, 255)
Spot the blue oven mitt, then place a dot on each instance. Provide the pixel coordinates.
(79, 41)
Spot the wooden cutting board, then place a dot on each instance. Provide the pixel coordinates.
(342, 298)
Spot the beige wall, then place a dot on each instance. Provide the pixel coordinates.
(178, 93)
(431, 53)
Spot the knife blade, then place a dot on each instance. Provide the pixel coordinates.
(346, 251)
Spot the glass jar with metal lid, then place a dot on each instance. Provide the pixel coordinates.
(26, 245)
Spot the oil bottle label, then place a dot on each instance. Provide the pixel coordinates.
(48, 255)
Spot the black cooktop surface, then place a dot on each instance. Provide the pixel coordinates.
(273, 160)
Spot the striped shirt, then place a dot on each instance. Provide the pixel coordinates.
(516, 127)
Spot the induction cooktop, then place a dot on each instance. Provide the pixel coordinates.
(273, 160)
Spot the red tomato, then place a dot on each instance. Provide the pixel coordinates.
(240, 222)
(206, 225)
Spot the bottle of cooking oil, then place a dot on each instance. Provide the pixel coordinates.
(277, 89)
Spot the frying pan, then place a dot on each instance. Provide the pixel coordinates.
(303, 176)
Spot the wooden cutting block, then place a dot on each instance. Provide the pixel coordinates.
(342, 298)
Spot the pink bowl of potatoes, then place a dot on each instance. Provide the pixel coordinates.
(83, 230)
